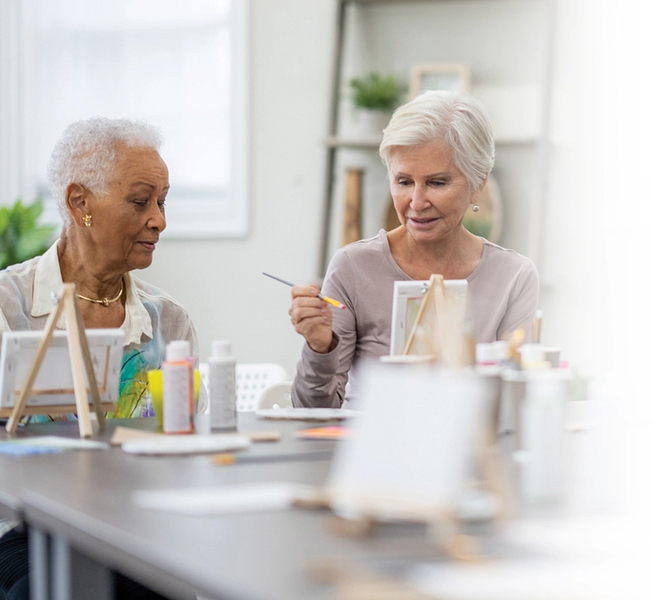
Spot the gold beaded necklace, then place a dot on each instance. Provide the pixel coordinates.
(105, 301)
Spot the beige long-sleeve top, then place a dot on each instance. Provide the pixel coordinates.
(502, 295)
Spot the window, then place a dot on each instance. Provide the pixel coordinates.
(178, 65)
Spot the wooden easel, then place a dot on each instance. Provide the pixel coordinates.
(435, 327)
(80, 359)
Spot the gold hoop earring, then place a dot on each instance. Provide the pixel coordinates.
(87, 220)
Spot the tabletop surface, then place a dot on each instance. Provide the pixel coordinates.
(86, 495)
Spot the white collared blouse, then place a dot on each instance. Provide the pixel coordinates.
(152, 320)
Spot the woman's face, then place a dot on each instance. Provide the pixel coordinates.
(128, 220)
(430, 193)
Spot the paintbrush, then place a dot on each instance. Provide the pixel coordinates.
(320, 296)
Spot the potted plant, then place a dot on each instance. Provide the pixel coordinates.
(21, 237)
(375, 96)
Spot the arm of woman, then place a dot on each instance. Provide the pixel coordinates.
(321, 377)
(522, 303)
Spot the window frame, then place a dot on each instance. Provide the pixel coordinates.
(190, 218)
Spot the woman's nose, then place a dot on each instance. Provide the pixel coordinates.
(157, 219)
(418, 201)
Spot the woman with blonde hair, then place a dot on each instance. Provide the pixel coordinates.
(439, 151)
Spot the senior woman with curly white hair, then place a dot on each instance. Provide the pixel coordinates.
(439, 151)
(111, 185)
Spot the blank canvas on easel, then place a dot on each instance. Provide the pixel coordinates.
(413, 448)
(54, 385)
(84, 389)
(439, 329)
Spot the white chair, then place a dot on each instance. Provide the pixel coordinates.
(251, 379)
(276, 395)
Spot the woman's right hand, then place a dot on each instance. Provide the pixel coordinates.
(312, 317)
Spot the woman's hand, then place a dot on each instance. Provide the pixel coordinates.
(312, 317)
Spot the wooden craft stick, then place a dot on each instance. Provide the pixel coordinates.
(124, 434)
(264, 436)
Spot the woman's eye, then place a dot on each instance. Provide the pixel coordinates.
(161, 204)
(404, 182)
(141, 201)
(438, 182)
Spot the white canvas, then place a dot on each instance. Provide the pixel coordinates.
(411, 451)
(407, 299)
(54, 383)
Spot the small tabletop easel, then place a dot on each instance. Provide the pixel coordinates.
(439, 329)
(80, 359)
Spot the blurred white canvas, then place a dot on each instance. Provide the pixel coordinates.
(411, 452)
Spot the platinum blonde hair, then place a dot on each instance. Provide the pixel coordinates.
(455, 118)
(87, 151)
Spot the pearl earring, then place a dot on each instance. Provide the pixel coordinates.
(475, 207)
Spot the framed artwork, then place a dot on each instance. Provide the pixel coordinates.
(449, 77)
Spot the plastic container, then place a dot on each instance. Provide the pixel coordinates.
(178, 389)
(222, 386)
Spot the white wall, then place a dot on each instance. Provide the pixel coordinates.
(220, 282)
(291, 52)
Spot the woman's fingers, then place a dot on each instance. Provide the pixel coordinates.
(311, 317)
(305, 291)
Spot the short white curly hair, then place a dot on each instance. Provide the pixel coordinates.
(456, 118)
(86, 153)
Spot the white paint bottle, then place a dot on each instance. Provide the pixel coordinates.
(177, 389)
(222, 386)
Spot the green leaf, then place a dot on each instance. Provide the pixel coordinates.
(21, 238)
(377, 92)
(33, 243)
(4, 219)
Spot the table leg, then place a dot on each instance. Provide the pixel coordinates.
(39, 564)
(76, 576)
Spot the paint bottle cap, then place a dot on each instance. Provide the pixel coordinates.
(485, 354)
(178, 350)
(222, 349)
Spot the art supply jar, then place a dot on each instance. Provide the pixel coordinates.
(178, 389)
(222, 386)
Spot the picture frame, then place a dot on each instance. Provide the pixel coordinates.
(452, 77)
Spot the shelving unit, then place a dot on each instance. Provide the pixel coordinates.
(508, 45)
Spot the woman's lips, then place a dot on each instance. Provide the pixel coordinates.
(148, 245)
(422, 223)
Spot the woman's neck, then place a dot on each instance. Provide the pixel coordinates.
(92, 279)
(454, 258)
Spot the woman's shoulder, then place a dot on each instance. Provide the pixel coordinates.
(506, 258)
(366, 258)
(20, 271)
(366, 247)
(155, 296)
(16, 281)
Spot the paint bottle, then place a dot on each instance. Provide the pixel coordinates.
(222, 386)
(177, 389)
